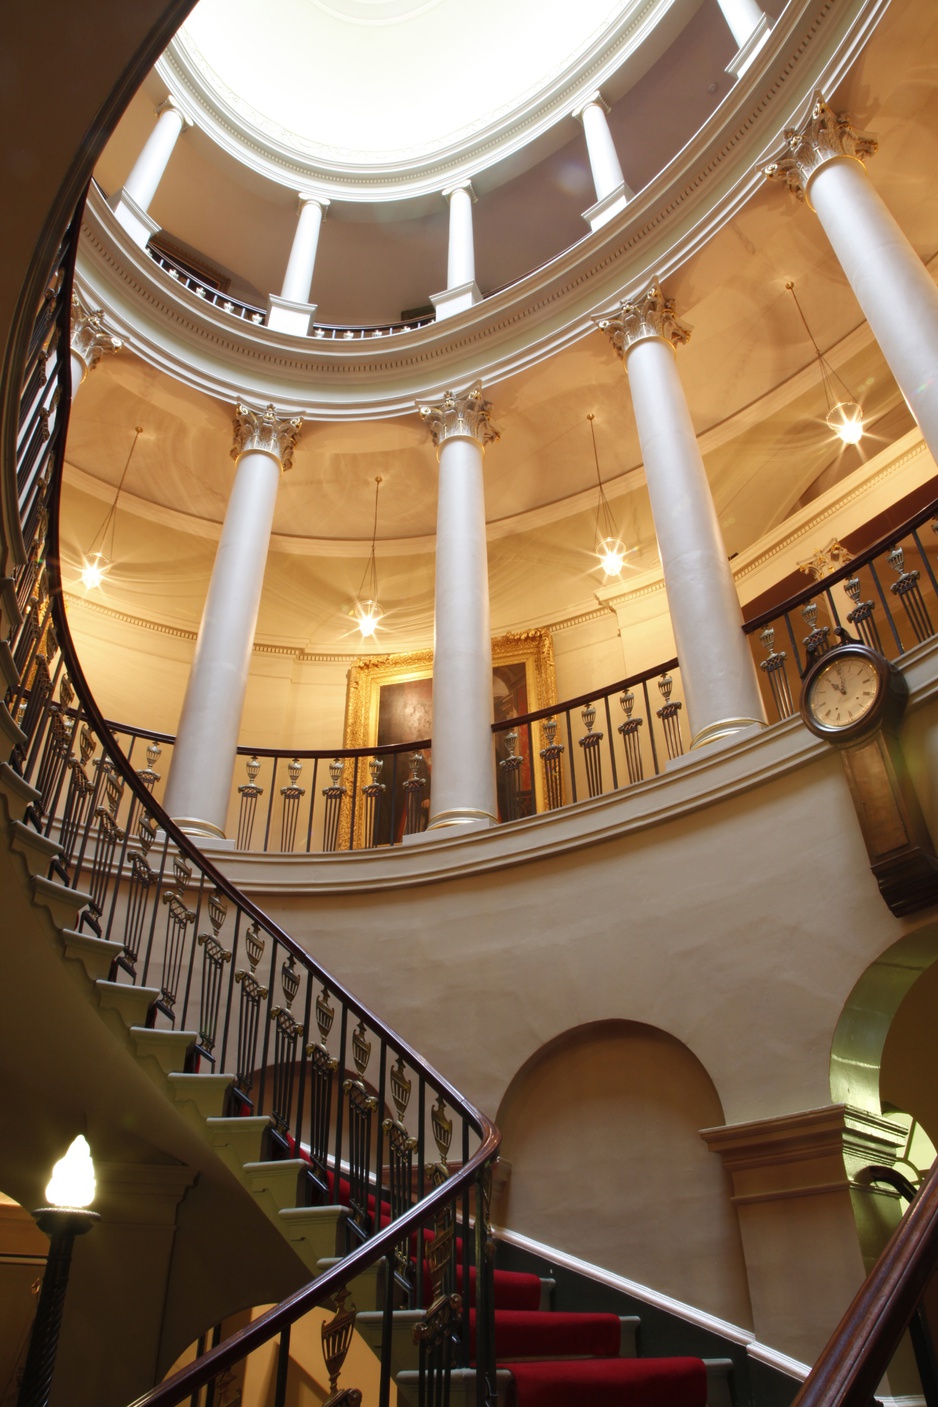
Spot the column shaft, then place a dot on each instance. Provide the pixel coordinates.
(298, 278)
(151, 164)
(199, 785)
(604, 159)
(742, 16)
(717, 671)
(462, 791)
(461, 264)
(894, 289)
(463, 786)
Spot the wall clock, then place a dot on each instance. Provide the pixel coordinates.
(853, 698)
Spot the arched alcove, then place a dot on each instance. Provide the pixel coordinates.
(601, 1128)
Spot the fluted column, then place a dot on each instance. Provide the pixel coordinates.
(90, 340)
(749, 26)
(203, 761)
(612, 193)
(717, 671)
(132, 201)
(292, 311)
(463, 780)
(822, 165)
(461, 290)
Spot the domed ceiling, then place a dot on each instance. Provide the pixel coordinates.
(749, 371)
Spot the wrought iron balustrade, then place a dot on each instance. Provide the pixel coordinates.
(885, 597)
(379, 1133)
(305, 801)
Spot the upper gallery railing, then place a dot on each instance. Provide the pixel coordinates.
(249, 312)
(387, 1143)
(308, 800)
(886, 597)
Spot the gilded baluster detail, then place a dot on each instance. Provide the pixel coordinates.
(361, 1111)
(670, 715)
(861, 615)
(401, 1147)
(552, 757)
(287, 1034)
(336, 1341)
(248, 792)
(291, 805)
(591, 744)
(253, 993)
(322, 1072)
(629, 733)
(178, 920)
(214, 959)
(909, 592)
(773, 667)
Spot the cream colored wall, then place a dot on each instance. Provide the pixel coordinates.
(738, 929)
(618, 1106)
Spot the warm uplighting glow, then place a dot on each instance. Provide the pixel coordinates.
(367, 615)
(611, 555)
(846, 421)
(95, 569)
(72, 1181)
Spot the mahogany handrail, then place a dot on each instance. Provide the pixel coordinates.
(858, 1352)
(849, 569)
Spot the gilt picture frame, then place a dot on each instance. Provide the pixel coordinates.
(389, 699)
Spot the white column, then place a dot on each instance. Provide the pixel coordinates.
(823, 165)
(199, 785)
(90, 340)
(461, 290)
(462, 793)
(717, 671)
(132, 202)
(750, 29)
(292, 311)
(612, 194)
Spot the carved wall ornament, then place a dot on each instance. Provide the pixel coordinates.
(265, 430)
(826, 135)
(825, 560)
(651, 314)
(90, 337)
(466, 414)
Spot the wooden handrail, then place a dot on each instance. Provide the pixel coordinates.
(842, 573)
(858, 1353)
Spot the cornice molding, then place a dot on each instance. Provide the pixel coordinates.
(812, 45)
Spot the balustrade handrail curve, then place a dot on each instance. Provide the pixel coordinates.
(42, 544)
(849, 569)
(858, 1352)
(133, 730)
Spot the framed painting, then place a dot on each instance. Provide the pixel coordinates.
(390, 700)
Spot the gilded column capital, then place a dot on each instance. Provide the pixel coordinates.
(266, 431)
(465, 415)
(651, 315)
(90, 338)
(824, 137)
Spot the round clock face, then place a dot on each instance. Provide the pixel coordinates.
(844, 692)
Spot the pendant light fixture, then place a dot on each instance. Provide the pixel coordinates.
(100, 557)
(609, 547)
(844, 416)
(366, 611)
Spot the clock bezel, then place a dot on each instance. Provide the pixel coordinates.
(886, 709)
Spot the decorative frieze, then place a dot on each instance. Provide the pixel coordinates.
(267, 431)
(90, 337)
(825, 136)
(465, 415)
(651, 314)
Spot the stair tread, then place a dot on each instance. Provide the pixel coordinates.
(32, 839)
(665, 1382)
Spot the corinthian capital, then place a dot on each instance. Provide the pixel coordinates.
(824, 137)
(467, 414)
(649, 315)
(90, 338)
(267, 431)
